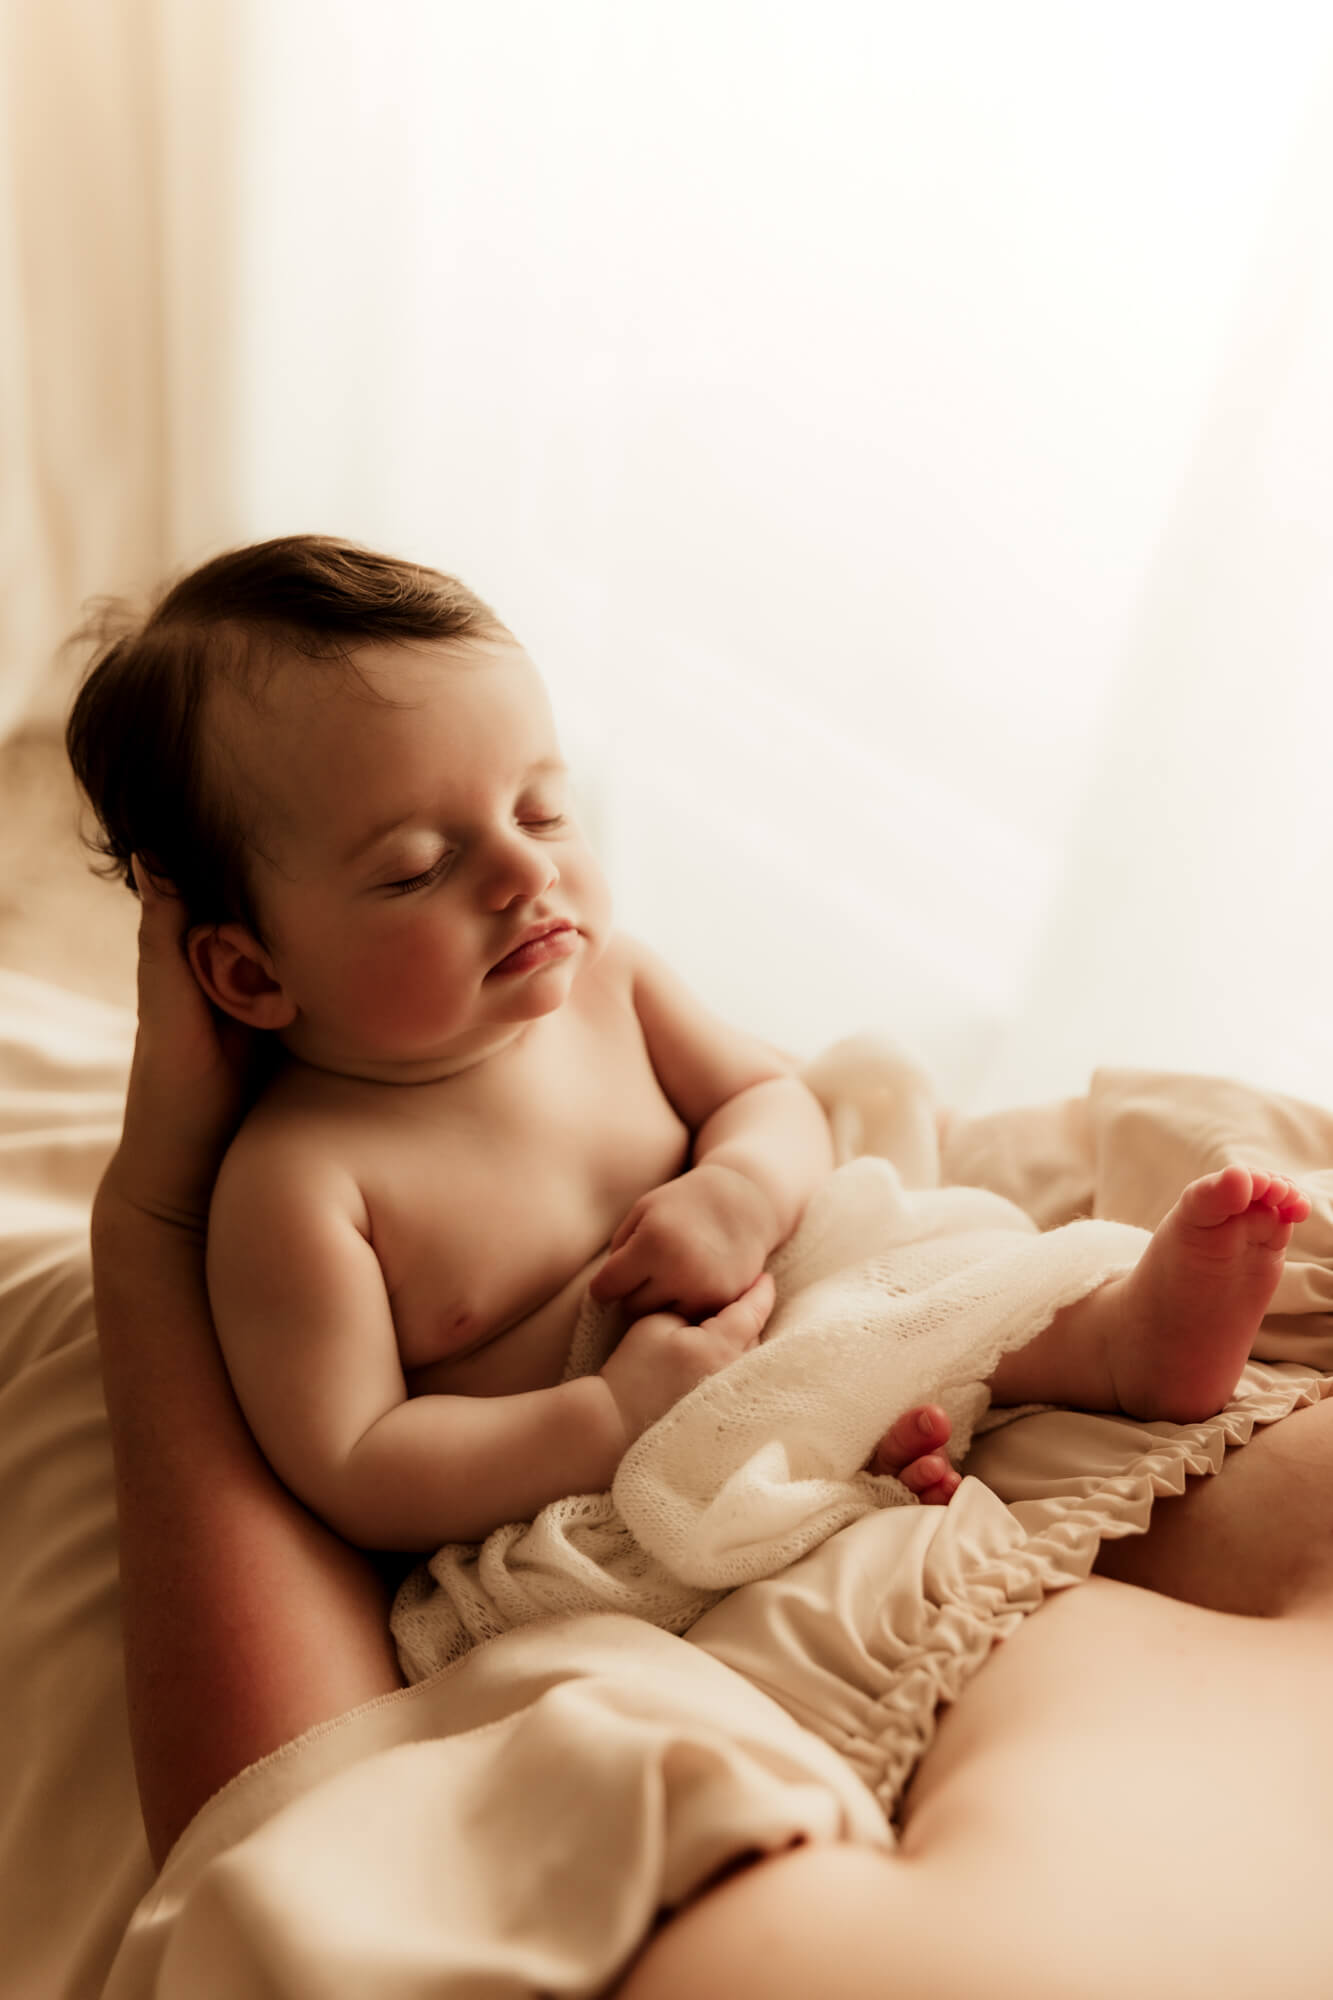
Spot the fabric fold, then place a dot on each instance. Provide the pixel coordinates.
(872, 1634)
(514, 1826)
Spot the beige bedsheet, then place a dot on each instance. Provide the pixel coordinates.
(73, 1859)
(514, 1824)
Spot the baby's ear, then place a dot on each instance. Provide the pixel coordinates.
(237, 975)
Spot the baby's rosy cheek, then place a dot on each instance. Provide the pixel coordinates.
(398, 992)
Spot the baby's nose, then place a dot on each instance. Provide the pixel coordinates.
(522, 873)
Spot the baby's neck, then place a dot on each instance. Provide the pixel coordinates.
(368, 1066)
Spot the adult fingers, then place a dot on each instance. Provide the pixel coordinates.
(163, 922)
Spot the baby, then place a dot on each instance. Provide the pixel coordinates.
(349, 769)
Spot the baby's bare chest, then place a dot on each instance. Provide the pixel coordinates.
(486, 1217)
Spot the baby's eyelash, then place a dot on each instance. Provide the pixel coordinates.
(552, 824)
(412, 882)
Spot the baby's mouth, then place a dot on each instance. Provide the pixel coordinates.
(541, 945)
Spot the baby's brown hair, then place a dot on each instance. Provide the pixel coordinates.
(135, 736)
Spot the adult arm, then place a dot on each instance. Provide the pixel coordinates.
(245, 1621)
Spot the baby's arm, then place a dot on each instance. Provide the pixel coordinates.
(305, 1324)
(761, 1147)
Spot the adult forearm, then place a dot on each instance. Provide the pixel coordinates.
(442, 1469)
(776, 1134)
(225, 1579)
(160, 1366)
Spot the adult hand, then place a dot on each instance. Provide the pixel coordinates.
(194, 1073)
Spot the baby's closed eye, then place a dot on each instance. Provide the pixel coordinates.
(421, 881)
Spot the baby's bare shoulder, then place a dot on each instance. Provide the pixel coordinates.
(284, 1161)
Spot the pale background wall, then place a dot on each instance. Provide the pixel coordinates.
(901, 434)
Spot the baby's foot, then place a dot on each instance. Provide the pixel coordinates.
(1192, 1305)
(912, 1450)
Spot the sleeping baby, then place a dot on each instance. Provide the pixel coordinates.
(348, 768)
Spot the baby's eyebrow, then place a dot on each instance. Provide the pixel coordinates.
(544, 767)
(373, 838)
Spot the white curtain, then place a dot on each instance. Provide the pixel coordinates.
(117, 122)
(900, 433)
(80, 474)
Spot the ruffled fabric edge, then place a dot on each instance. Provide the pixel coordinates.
(866, 1639)
(1063, 1529)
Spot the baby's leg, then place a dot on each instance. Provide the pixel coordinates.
(1168, 1339)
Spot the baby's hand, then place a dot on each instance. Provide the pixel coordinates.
(693, 1245)
(663, 1356)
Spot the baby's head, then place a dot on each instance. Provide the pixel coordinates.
(348, 768)
(143, 736)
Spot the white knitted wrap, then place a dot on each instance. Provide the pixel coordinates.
(886, 1298)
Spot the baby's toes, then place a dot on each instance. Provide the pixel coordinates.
(936, 1492)
(1218, 1197)
(916, 1432)
(1289, 1201)
(1278, 1204)
(927, 1475)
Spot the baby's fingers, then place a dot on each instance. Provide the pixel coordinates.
(744, 1319)
(622, 1273)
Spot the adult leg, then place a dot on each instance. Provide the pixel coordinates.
(1256, 1539)
(1134, 1795)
